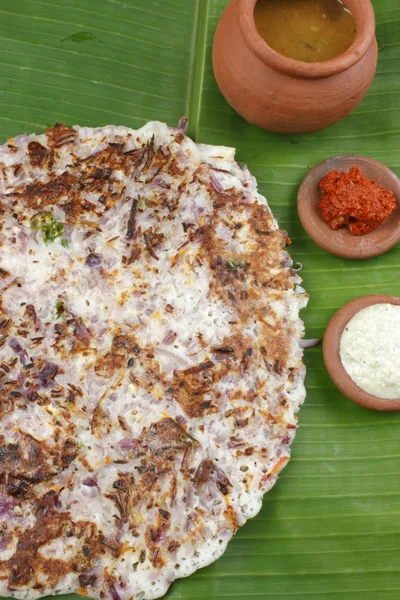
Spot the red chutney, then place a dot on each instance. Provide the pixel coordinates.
(350, 199)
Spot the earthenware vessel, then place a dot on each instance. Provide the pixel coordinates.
(286, 95)
(333, 363)
(341, 242)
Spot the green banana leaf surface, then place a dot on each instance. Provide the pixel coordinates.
(331, 526)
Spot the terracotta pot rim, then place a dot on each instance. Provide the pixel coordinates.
(365, 33)
(331, 353)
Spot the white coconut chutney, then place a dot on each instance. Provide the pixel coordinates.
(370, 350)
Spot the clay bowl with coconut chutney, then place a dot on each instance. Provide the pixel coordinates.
(341, 242)
(286, 95)
(333, 363)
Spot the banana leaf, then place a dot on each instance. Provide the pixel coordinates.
(331, 526)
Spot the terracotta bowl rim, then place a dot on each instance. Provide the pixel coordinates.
(364, 37)
(325, 237)
(333, 363)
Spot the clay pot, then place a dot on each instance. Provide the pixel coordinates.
(286, 95)
(341, 242)
(333, 363)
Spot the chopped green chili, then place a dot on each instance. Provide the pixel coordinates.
(51, 229)
(234, 266)
(59, 309)
(39, 220)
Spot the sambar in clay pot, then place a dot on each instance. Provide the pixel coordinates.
(287, 95)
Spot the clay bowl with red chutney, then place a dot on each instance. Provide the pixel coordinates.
(341, 242)
(333, 363)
